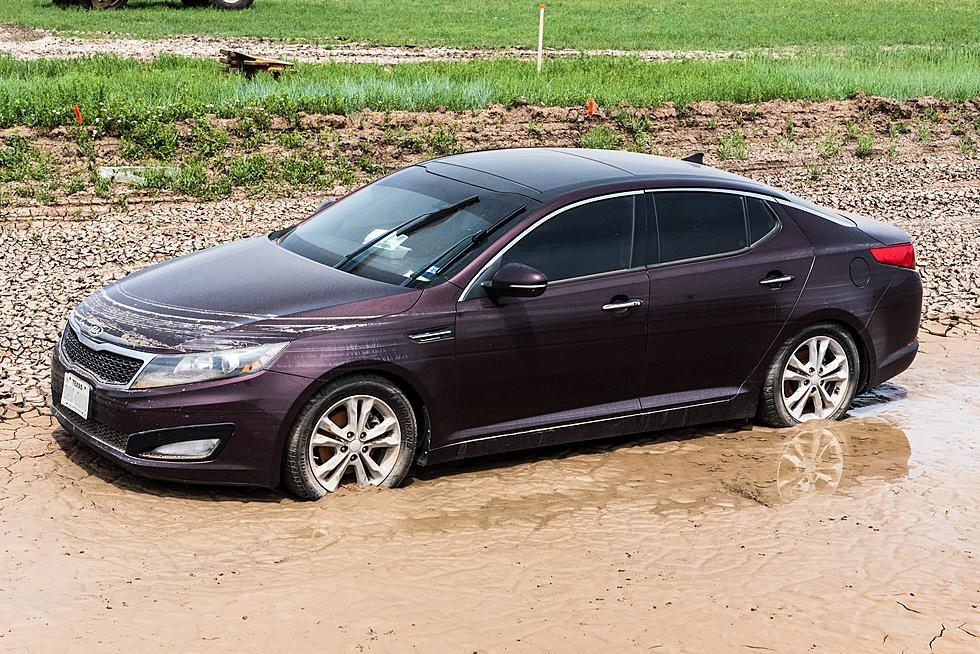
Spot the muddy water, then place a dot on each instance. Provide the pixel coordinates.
(853, 536)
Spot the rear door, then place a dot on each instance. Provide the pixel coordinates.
(725, 276)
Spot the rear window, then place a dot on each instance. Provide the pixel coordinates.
(693, 224)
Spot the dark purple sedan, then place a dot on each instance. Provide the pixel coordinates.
(487, 302)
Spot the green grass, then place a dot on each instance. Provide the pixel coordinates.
(116, 94)
(626, 24)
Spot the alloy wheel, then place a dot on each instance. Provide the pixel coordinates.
(359, 435)
(815, 379)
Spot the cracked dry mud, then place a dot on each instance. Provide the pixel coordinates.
(853, 536)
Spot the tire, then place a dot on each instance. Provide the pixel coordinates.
(312, 470)
(230, 4)
(107, 4)
(195, 3)
(795, 392)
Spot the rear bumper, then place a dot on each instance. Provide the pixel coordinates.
(894, 327)
(249, 416)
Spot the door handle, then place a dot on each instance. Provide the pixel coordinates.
(776, 281)
(622, 305)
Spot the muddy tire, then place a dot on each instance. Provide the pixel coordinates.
(814, 376)
(360, 428)
(230, 4)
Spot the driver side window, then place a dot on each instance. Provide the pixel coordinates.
(592, 238)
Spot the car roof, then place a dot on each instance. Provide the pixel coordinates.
(545, 173)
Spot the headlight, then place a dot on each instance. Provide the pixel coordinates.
(172, 370)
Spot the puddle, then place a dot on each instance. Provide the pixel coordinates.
(851, 536)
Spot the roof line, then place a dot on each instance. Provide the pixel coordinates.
(442, 160)
(582, 156)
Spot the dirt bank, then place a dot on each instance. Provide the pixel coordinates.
(56, 253)
(857, 536)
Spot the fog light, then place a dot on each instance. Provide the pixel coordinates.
(199, 449)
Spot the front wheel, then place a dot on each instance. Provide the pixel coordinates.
(814, 376)
(231, 4)
(361, 429)
(107, 4)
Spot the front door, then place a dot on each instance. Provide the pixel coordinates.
(572, 355)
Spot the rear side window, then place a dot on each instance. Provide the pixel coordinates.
(761, 219)
(593, 238)
(692, 224)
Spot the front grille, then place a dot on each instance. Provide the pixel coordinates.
(94, 429)
(107, 367)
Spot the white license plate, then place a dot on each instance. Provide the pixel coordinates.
(74, 395)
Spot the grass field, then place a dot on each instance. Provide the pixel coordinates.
(586, 24)
(118, 91)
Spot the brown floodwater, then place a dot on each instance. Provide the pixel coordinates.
(856, 536)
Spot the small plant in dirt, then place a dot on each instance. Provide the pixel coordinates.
(852, 129)
(633, 123)
(208, 141)
(922, 133)
(601, 137)
(535, 131)
(103, 187)
(343, 169)
(290, 139)
(865, 146)
(898, 127)
(830, 145)
(789, 129)
(733, 146)
(712, 124)
(248, 169)
(934, 115)
(20, 161)
(816, 172)
(966, 146)
(892, 151)
(303, 170)
(252, 125)
(75, 184)
(442, 140)
(148, 139)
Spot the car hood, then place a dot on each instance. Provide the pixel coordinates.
(234, 295)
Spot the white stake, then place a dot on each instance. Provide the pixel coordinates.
(540, 35)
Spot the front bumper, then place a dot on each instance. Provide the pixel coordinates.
(249, 415)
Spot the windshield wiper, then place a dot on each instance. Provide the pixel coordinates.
(410, 226)
(464, 245)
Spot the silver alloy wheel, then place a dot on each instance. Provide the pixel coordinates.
(359, 432)
(815, 379)
(813, 462)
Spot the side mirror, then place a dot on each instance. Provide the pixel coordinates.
(516, 280)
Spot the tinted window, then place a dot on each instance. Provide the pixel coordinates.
(692, 224)
(593, 238)
(761, 219)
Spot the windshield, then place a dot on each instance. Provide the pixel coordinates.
(400, 229)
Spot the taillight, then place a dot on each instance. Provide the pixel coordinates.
(895, 255)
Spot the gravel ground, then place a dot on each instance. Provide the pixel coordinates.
(56, 254)
(25, 43)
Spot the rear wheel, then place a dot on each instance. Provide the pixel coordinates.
(814, 376)
(360, 429)
(107, 4)
(195, 3)
(230, 4)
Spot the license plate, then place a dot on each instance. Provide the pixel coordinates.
(74, 395)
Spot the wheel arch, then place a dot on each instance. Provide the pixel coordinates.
(851, 324)
(399, 377)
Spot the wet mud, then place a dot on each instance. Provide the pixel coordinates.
(852, 536)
